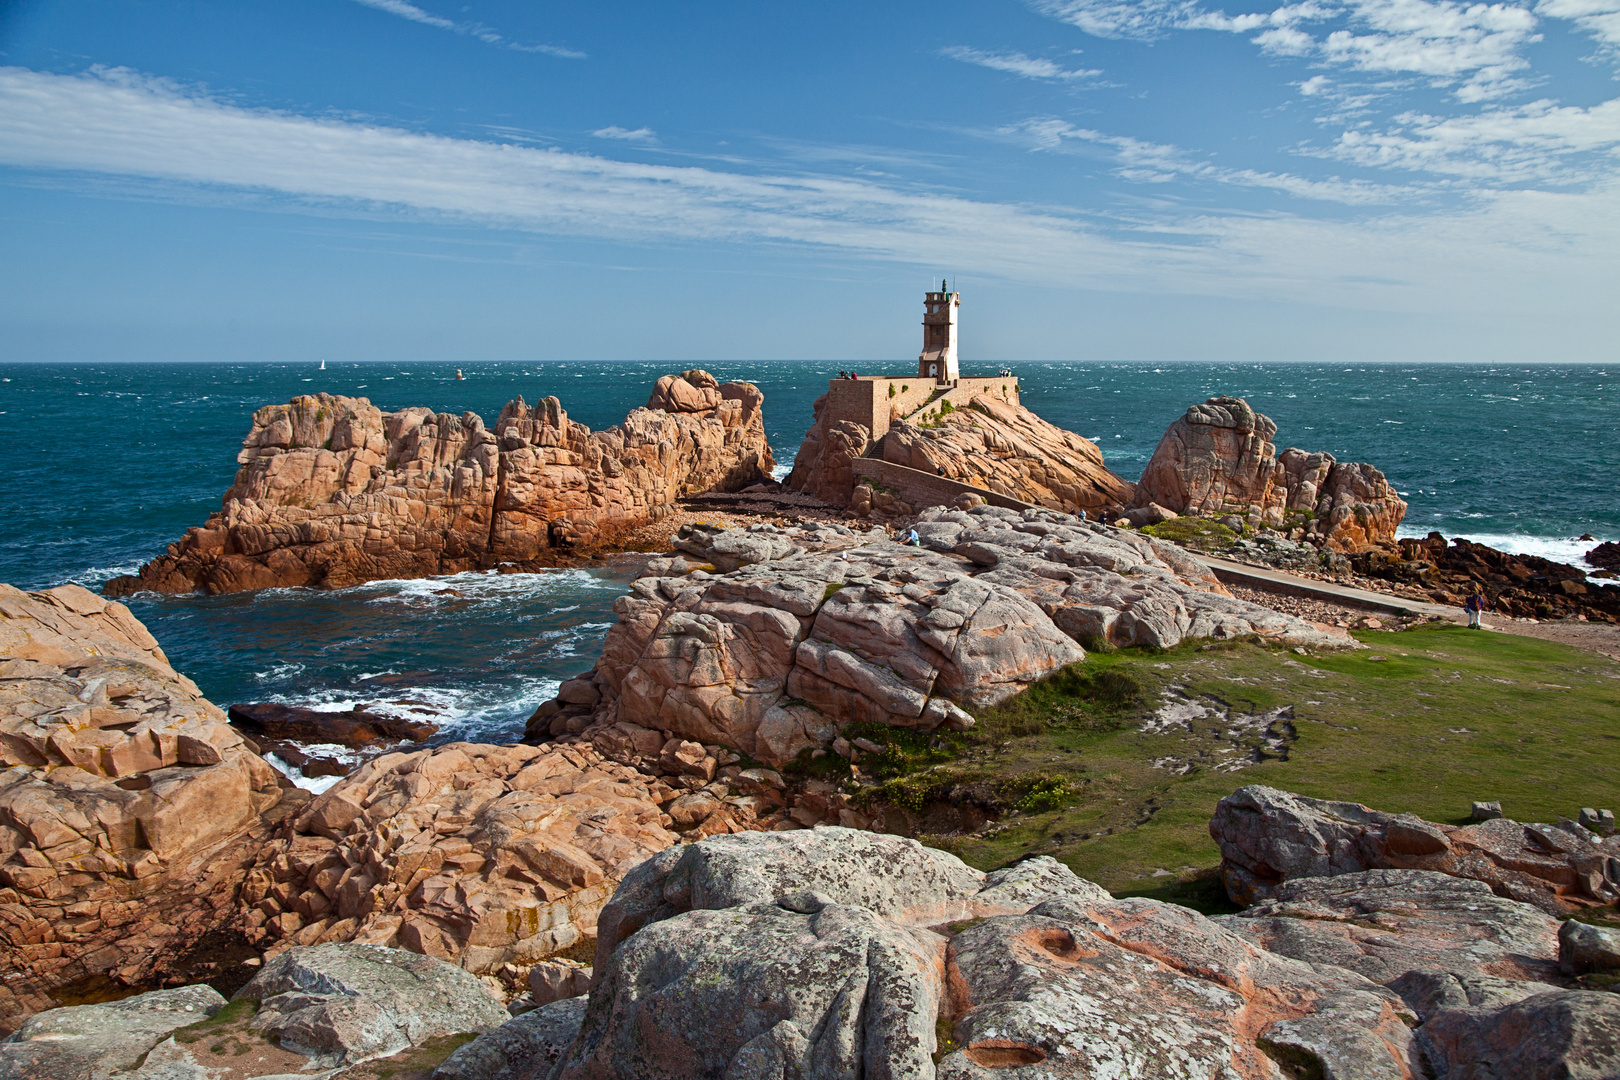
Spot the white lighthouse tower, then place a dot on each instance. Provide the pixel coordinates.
(938, 358)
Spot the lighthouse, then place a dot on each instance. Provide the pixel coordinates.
(938, 358)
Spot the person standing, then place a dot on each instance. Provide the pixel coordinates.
(1474, 605)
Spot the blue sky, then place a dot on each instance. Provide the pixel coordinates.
(1105, 179)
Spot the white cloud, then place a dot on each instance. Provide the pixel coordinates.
(1144, 162)
(1142, 20)
(637, 135)
(1541, 141)
(1535, 250)
(1475, 47)
(408, 11)
(476, 30)
(1599, 18)
(1016, 63)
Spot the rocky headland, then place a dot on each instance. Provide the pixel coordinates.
(332, 491)
(1219, 461)
(983, 441)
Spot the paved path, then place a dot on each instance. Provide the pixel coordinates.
(1282, 581)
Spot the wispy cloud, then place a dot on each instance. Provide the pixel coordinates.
(475, 30)
(1599, 18)
(118, 124)
(1475, 48)
(1143, 162)
(1016, 63)
(637, 135)
(1541, 141)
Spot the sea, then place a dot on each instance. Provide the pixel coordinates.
(105, 464)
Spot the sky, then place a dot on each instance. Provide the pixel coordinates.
(1104, 180)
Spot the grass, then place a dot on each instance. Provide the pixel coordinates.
(1423, 721)
(1195, 532)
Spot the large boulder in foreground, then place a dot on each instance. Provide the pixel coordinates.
(1268, 837)
(843, 971)
(820, 625)
(94, 1041)
(481, 855)
(333, 491)
(1219, 459)
(128, 808)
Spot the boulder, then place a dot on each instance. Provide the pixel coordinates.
(771, 658)
(1219, 460)
(129, 809)
(344, 1004)
(1385, 923)
(554, 980)
(89, 1042)
(1268, 837)
(829, 952)
(1552, 1035)
(1583, 949)
(333, 491)
(483, 855)
(525, 1048)
(357, 728)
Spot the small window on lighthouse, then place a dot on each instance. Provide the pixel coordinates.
(933, 370)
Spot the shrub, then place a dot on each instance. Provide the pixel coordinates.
(891, 389)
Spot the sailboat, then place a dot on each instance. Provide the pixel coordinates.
(323, 365)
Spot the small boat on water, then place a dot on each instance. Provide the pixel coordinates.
(459, 375)
(323, 365)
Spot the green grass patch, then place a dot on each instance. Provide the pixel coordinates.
(229, 1013)
(1195, 532)
(1423, 721)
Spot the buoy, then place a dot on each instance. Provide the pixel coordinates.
(459, 375)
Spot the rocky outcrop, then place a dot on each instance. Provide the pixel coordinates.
(1523, 586)
(1219, 460)
(1268, 837)
(1385, 923)
(836, 953)
(821, 625)
(482, 855)
(343, 1004)
(125, 800)
(99, 1041)
(310, 1011)
(985, 442)
(332, 491)
(526, 1048)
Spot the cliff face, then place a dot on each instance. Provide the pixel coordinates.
(1219, 459)
(127, 806)
(333, 491)
(987, 443)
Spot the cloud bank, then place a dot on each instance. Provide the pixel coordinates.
(1518, 244)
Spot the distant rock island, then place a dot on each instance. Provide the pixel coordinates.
(333, 491)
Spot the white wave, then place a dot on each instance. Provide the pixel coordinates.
(1564, 549)
(781, 471)
(476, 712)
(96, 576)
(479, 585)
(277, 672)
(316, 784)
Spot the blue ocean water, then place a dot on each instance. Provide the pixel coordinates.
(105, 464)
